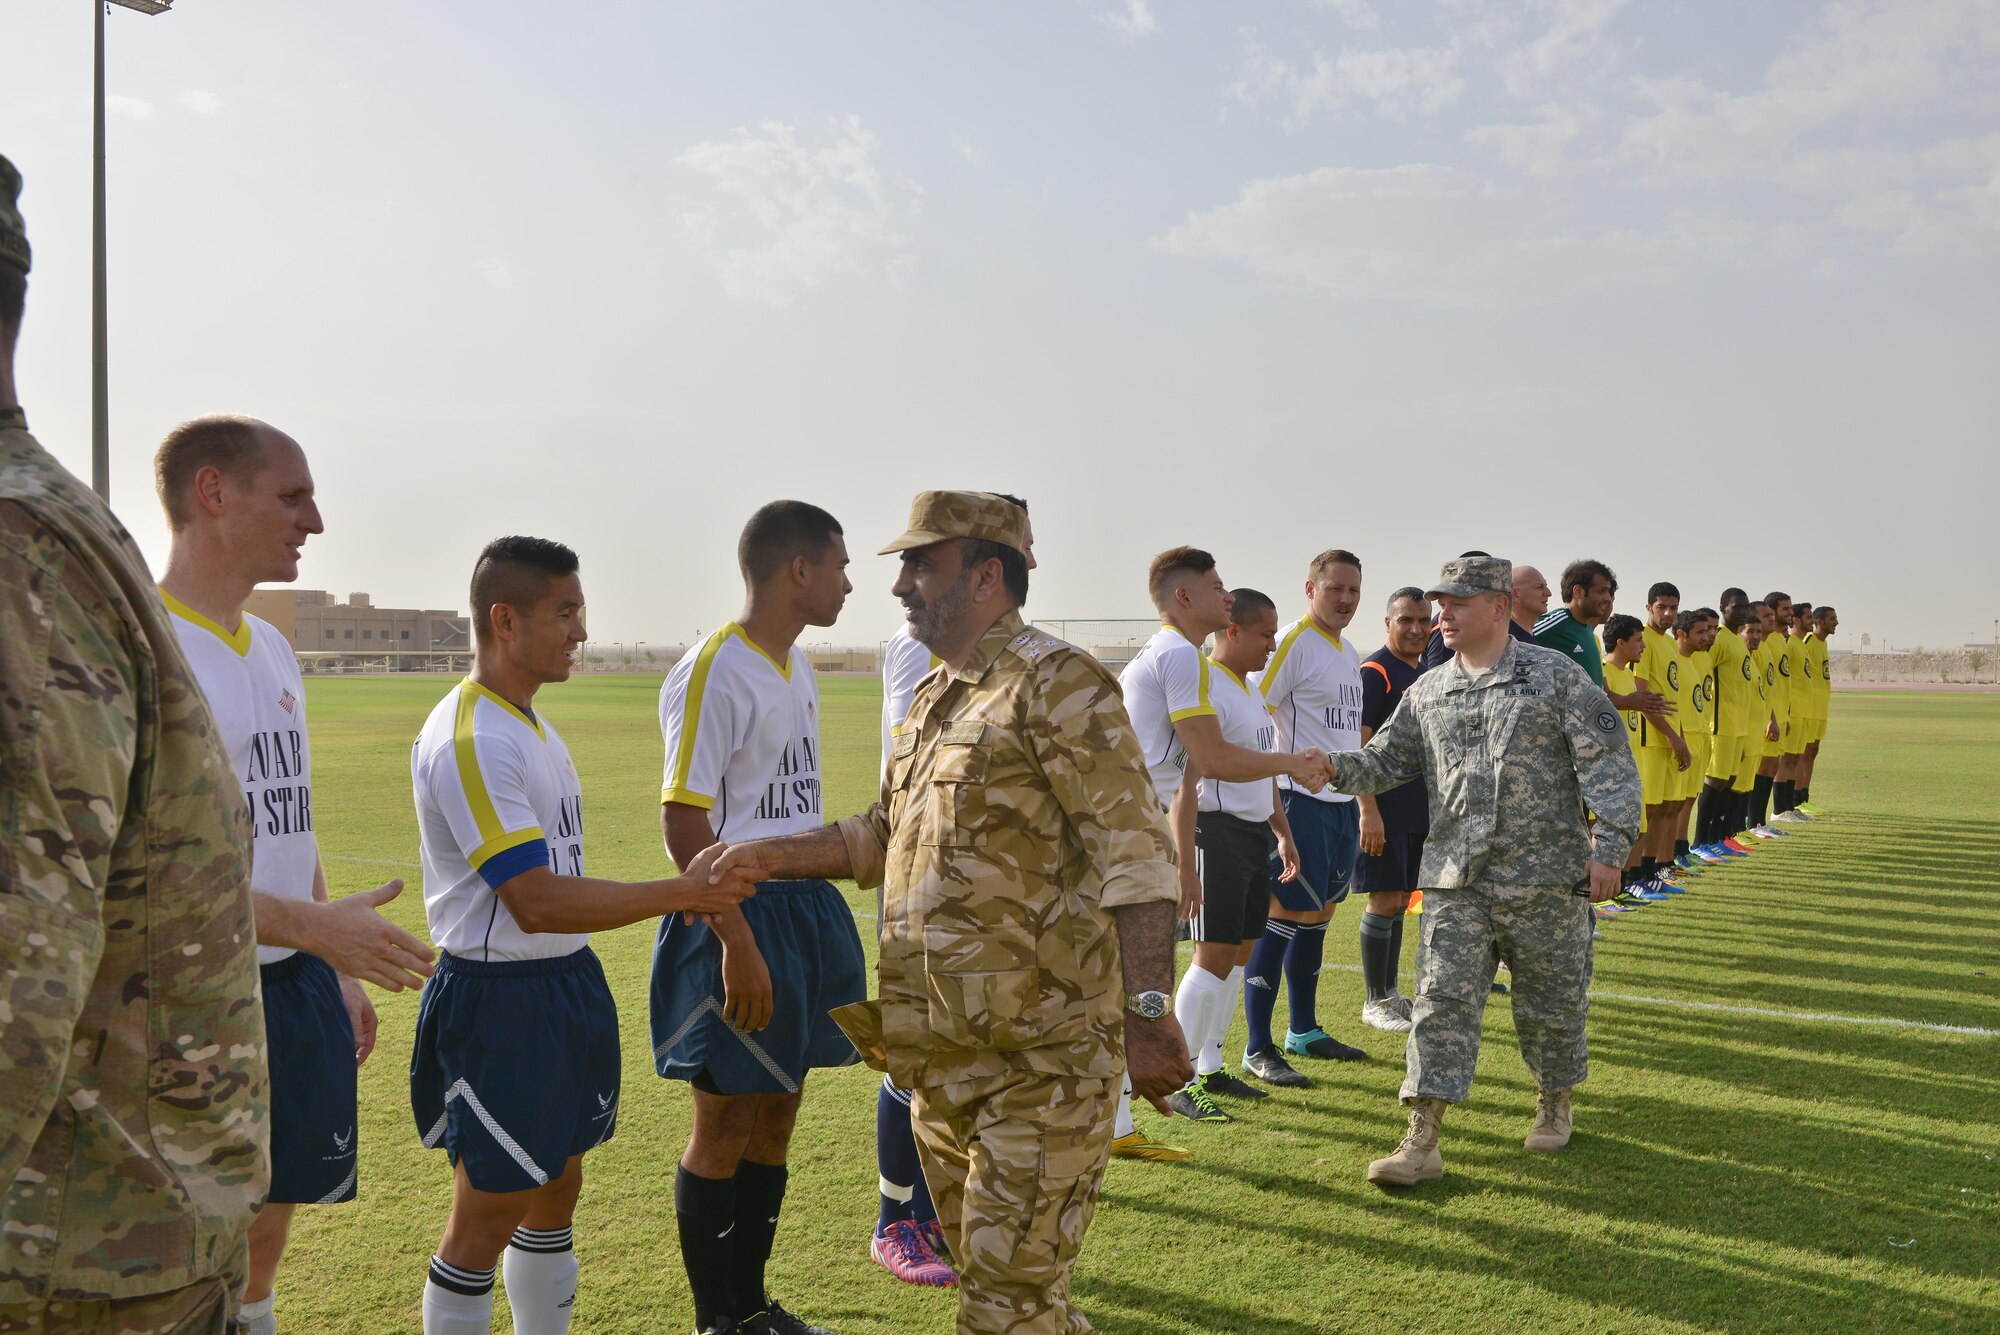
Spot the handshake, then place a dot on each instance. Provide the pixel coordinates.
(1311, 769)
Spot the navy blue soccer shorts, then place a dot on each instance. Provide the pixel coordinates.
(806, 934)
(516, 1066)
(1395, 869)
(1329, 837)
(310, 1038)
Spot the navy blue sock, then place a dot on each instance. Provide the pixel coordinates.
(1260, 981)
(1302, 962)
(1395, 949)
(896, 1161)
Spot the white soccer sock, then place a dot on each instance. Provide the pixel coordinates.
(457, 1301)
(1221, 1011)
(539, 1270)
(258, 1318)
(1122, 1123)
(1195, 1002)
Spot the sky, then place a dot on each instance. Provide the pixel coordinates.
(1710, 291)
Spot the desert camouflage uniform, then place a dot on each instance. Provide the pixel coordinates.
(133, 1114)
(1511, 758)
(1015, 815)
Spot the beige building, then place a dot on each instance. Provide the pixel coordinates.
(319, 624)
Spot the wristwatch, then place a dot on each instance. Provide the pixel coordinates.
(1150, 1005)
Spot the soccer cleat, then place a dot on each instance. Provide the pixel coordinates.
(1552, 1122)
(1497, 989)
(906, 1253)
(1417, 1159)
(1226, 1083)
(775, 1320)
(1708, 854)
(1645, 893)
(1792, 816)
(1379, 1014)
(1135, 1145)
(1669, 885)
(1606, 912)
(726, 1326)
(1768, 832)
(1734, 843)
(1319, 1043)
(1686, 861)
(1405, 1007)
(1813, 809)
(1193, 1102)
(1273, 1069)
(933, 1233)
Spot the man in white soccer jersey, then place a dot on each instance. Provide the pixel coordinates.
(908, 1240)
(1232, 831)
(1167, 692)
(239, 503)
(740, 1007)
(1313, 687)
(515, 1067)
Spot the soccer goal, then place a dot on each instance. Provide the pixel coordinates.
(1113, 642)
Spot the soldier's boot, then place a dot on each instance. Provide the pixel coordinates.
(1552, 1122)
(1417, 1158)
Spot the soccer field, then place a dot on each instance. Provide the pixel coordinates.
(1791, 1122)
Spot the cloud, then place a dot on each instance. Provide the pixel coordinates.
(201, 102)
(1132, 23)
(1394, 81)
(1539, 146)
(793, 211)
(497, 272)
(132, 108)
(1356, 14)
(968, 150)
(1434, 237)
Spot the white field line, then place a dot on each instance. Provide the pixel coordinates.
(375, 862)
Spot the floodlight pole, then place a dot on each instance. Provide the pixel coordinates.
(100, 378)
(100, 424)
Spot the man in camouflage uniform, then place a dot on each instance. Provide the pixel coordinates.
(132, 1096)
(1513, 743)
(1029, 891)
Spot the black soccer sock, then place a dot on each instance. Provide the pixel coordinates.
(1680, 849)
(705, 1208)
(1739, 812)
(1788, 796)
(1395, 948)
(1376, 933)
(1760, 801)
(1709, 814)
(760, 1194)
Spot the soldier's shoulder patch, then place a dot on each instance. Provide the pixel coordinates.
(1607, 722)
(1032, 645)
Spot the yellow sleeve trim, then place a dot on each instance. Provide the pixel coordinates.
(1196, 712)
(1278, 659)
(495, 847)
(686, 798)
(691, 709)
(492, 838)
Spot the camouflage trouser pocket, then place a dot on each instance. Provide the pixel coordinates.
(1064, 1199)
(985, 1010)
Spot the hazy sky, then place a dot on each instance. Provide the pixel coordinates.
(1709, 290)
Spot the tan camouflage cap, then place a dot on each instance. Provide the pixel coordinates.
(13, 231)
(1469, 576)
(939, 516)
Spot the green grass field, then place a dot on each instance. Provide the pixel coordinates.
(1754, 1172)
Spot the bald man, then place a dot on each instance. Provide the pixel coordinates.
(1531, 600)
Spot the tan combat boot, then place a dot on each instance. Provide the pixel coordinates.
(1417, 1158)
(1552, 1122)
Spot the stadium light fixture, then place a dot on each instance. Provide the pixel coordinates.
(100, 391)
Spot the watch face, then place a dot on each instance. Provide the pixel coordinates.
(1149, 1005)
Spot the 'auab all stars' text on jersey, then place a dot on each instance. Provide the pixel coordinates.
(742, 738)
(1313, 687)
(1167, 682)
(497, 795)
(254, 690)
(1246, 722)
(905, 664)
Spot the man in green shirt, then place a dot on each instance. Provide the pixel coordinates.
(1587, 590)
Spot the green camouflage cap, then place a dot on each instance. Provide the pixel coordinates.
(13, 231)
(1470, 576)
(939, 516)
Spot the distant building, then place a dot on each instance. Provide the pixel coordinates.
(319, 624)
